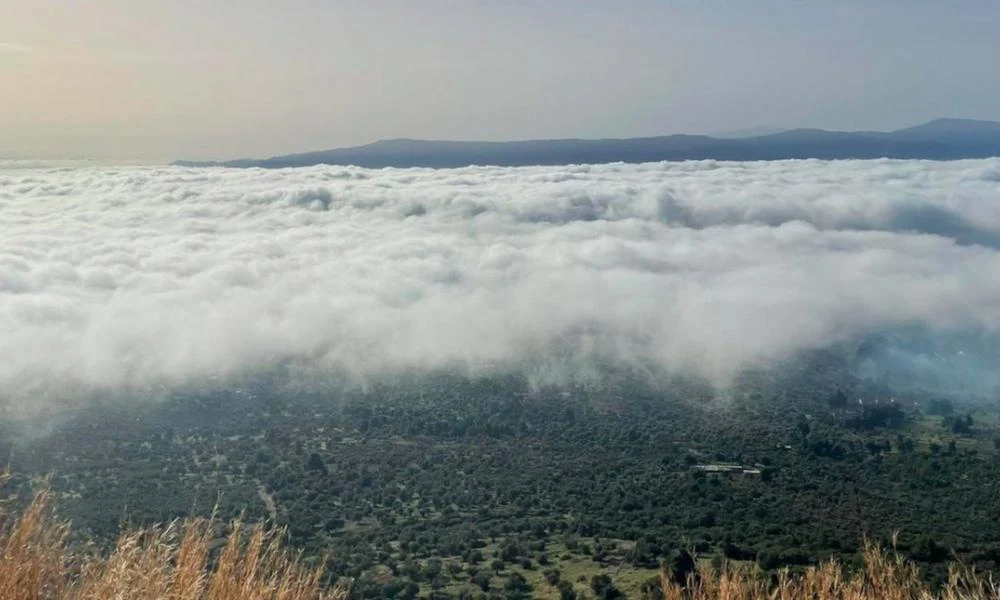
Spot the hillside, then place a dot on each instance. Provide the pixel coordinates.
(941, 139)
(447, 486)
(187, 561)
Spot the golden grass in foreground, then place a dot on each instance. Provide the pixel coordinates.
(177, 563)
(171, 563)
(885, 576)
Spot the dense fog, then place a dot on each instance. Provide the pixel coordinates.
(122, 277)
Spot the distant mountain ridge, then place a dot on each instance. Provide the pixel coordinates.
(940, 139)
(748, 132)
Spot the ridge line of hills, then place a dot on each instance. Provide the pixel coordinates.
(940, 139)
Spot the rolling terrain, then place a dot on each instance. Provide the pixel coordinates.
(941, 139)
(451, 486)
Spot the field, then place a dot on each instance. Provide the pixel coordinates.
(449, 486)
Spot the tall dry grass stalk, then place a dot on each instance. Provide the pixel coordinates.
(175, 562)
(885, 576)
(33, 556)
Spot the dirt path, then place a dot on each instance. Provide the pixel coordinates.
(268, 500)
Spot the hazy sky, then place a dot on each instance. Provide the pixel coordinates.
(159, 79)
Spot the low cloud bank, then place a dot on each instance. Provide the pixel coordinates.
(144, 276)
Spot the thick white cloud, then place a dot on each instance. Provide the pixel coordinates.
(156, 275)
(11, 48)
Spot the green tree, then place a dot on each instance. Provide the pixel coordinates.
(315, 463)
(604, 587)
(566, 591)
(680, 566)
(482, 579)
(516, 586)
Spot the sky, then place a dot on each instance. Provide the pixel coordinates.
(204, 79)
(139, 277)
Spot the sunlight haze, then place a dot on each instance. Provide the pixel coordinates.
(163, 80)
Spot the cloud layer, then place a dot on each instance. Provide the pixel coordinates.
(138, 276)
(11, 48)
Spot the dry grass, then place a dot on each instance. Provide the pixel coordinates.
(185, 561)
(175, 562)
(885, 576)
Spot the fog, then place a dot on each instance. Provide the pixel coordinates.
(130, 277)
